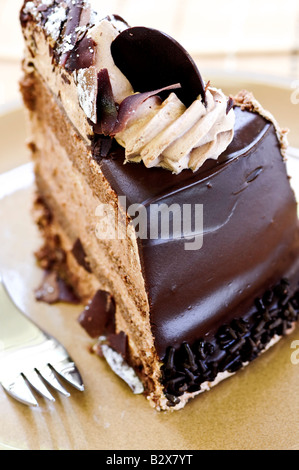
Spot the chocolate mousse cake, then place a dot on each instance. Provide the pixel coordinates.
(165, 206)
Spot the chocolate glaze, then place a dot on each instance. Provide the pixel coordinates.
(250, 242)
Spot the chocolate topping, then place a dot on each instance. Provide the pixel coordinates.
(98, 318)
(151, 59)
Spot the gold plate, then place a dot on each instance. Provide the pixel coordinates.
(258, 408)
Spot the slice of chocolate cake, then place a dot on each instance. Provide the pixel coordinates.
(164, 205)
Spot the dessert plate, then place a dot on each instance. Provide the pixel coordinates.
(256, 409)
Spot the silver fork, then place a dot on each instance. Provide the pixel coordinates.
(30, 359)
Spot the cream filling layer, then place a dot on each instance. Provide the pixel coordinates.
(174, 137)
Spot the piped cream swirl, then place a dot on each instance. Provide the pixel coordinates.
(174, 137)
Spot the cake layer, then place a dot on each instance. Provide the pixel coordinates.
(64, 269)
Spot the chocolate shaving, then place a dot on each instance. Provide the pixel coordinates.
(208, 84)
(98, 318)
(54, 290)
(42, 7)
(78, 17)
(82, 56)
(101, 147)
(25, 18)
(119, 343)
(65, 78)
(130, 104)
(80, 255)
(45, 12)
(106, 108)
(117, 18)
(230, 104)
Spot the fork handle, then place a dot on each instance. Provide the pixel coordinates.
(15, 328)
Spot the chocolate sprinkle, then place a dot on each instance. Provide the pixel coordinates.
(185, 369)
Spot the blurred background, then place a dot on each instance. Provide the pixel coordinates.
(256, 37)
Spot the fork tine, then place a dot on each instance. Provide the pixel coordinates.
(37, 383)
(49, 376)
(20, 390)
(28, 352)
(68, 370)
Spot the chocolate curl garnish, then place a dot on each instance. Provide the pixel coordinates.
(130, 105)
(106, 107)
(98, 318)
(78, 18)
